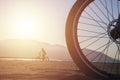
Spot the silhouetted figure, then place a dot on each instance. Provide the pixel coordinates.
(43, 55)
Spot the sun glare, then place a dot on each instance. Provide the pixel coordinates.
(24, 27)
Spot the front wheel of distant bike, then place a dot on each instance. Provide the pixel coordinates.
(93, 37)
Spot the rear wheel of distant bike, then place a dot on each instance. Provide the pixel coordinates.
(93, 37)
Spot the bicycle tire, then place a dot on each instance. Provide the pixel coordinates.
(73, 45)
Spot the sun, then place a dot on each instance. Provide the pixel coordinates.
(24, 28)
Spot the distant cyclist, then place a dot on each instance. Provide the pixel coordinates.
(43, 54)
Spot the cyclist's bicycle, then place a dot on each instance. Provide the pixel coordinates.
(93, 37)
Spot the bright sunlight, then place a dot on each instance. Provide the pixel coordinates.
(24, 27)
(33, 19)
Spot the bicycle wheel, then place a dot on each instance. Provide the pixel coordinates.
(93, 37)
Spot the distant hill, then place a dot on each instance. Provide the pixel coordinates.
(97, 56)
(31, 48)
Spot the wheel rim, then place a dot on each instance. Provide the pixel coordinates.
(98, 35)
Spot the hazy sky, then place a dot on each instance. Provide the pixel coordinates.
(42, 20)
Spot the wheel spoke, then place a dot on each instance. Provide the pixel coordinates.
(108, 12)
(117, 66)
(101, 11)
(92, 37)
(93, 25)
(103, 51)
(90, 31)
(93, 20)
(96, 14)
(108, 44)
(96, 50)
(106, 54)
(93, 42)
(112, 7)
(118, 7)
(115, 58)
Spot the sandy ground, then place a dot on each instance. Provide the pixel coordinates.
(38, 70)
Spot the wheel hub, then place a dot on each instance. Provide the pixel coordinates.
(114, 31)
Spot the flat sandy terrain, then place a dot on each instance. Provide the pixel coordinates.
(38, 70)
